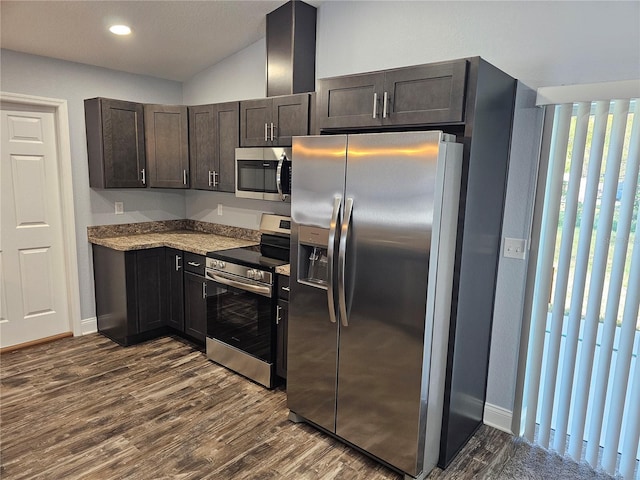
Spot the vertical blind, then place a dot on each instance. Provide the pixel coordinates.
(582, 380)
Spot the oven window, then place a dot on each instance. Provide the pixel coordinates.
(241, 319)
(251, 176)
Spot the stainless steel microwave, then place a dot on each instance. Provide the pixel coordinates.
(263, 173)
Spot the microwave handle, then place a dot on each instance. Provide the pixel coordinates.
(283, 196)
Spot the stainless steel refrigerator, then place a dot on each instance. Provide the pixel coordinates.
(373, 240)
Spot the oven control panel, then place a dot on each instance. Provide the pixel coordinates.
(249, 273)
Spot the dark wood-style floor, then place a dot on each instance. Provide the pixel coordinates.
(86, 408)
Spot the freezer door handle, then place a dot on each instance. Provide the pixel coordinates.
(337, 202)
(342, 258)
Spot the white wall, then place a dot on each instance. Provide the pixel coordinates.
(540, 43)
(46, 77)
(239, 77)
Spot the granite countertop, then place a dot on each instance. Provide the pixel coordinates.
(186, 235)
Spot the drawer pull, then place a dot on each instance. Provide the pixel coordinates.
(286, 289)
(194, 264)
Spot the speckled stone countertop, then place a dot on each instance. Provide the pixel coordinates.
(187, 235)
(284, 270)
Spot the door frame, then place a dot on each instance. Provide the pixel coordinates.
(65, 179)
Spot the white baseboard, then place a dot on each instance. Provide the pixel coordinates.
(89, 325)
(498, 417)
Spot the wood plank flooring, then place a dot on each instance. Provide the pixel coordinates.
(86, 408)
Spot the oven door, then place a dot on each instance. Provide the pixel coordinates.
(241, 315)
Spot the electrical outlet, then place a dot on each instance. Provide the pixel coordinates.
(219, 209)
(119, 208)
(515, 248)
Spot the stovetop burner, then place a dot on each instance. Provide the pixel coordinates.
(273, 250)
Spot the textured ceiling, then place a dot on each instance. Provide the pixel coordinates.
(171, 39)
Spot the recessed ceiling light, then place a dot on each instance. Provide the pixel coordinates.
(120, 29)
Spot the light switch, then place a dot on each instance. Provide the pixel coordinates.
(119, 208)
(515, 248)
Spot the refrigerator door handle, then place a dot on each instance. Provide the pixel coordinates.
(342, 254)
(337, 203)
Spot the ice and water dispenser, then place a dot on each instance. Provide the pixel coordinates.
(313, 267)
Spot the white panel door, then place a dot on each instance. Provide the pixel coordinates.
(33, 295)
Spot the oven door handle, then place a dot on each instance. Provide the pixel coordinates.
(263, 290)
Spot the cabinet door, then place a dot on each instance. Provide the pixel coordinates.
(352, 101)
(175, 296)
(167, 142)
(115, 143)
(425, 94)
(255, 123)
(282, 320)
(195, 306)
(290, 118)
(151, 288)
(202, 146)
(227, 129)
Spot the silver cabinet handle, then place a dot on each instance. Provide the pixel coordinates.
(375, 105)
(272, 131)
(384, 104)
(337, 203)
(204, 289)
(144, 176)
(278, 317)
(194, 264)
(286, 289)
(210, 179)
(342, 254)
(215, 176)
(184, 177)
(266, 132)
(178, 266)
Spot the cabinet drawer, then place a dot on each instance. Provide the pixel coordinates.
(194, 263)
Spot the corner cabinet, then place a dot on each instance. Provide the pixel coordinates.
(131, 293)
(419, 95)
(214, 134)
(115, 143)
(167, 145)
(271, 122)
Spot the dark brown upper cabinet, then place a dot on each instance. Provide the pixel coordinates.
(273, 121)
(115, 143)
(167, 146)
(419, 95)
(214, 134)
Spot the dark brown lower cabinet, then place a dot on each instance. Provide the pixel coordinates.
(131, 293)
(195, 306)
(175, 297)
(282, 319)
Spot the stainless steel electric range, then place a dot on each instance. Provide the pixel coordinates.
(241, 302)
